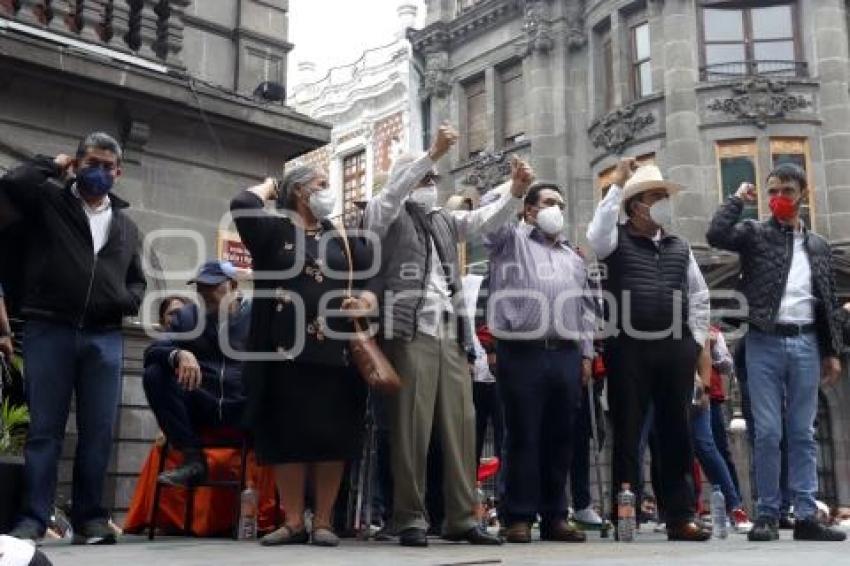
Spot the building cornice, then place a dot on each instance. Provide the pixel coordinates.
(440, 36)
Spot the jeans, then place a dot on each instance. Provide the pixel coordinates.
(60, 360)
(784, 369)
(180, 413)
(709, 457)
(721, 440)
(540, 392)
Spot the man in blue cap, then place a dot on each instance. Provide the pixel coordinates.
(191, 382)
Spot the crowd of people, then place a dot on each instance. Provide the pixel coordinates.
(275, 361)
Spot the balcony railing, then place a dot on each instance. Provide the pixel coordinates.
(740, 69)
(151, 29)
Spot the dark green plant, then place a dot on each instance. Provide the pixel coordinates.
(13, 428)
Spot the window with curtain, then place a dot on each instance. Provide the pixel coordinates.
(353, 184)
(737, 162)
(608, 74)
(641, 61)
(476, 116)
(513, 104)
(740, 40)
(796, 151)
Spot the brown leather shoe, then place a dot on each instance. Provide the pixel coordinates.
(690, 532)
(518, 533)
(561, 531)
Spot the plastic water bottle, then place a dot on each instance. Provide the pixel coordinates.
(718, 514)
(626, 514)
(248, 512)
(481, 506)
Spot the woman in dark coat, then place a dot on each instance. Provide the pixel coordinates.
(306, 403)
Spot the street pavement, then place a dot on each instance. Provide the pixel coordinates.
(649, 548)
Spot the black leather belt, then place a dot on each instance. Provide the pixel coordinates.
(544, 344)
(790, 330)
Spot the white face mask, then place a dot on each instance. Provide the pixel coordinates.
(322, 203)
(550, 220)
(662, 212)
(426, 196)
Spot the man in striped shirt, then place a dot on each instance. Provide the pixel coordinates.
(541, 314)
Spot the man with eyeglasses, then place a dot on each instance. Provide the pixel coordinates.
(84, 275)
(428, 337)
(543, 320)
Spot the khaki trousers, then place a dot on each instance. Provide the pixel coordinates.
(436, 391)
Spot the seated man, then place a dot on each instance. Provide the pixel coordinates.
(192, 383)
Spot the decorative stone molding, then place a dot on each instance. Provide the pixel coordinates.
(759, 100)
(488, 170)
(620, 127)
(575, 34)
(537, 28)
(439, 35)
(436, 82)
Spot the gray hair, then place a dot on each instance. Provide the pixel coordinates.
(300, 175)
(99, 140)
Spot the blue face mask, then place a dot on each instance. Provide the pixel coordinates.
(94, 181)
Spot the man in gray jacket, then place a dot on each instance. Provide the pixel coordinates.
(428, 336)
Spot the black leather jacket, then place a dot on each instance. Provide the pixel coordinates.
(766, 249)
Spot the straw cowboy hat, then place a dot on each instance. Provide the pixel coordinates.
(646, 178)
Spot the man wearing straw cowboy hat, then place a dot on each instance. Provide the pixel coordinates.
(659, 307)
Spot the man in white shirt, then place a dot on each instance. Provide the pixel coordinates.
(794, 338)
(429, 336)
(661, 309)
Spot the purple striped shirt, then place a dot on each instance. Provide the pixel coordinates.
(538, 288)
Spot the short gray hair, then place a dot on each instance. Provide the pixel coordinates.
(300, 175)
(99, 140)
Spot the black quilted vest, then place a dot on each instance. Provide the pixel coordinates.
(649, 280)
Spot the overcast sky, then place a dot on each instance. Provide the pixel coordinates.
(336, 32)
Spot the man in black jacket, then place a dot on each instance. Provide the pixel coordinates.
(794, 338)
(83, 275)
(190, 382)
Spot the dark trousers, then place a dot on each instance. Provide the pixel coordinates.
(182, 413)
(488, 410)
(660, 372)
(580, 469)
(540, 394)
(61, 360)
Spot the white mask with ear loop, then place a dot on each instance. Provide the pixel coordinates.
(425, 196)
(662, 212)
(550, 220)
(322, 203)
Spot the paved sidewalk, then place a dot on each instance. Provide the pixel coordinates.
(648, 549)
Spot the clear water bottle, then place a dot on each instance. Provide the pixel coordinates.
(626, 514)
(248, 511)
(719, 526)
(481, 506)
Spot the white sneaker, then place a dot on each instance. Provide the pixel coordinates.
(588, 516)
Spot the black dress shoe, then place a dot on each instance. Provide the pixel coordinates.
(765, 529)
(811, 529)
(475, 535)
(413, 537)
(187, 475)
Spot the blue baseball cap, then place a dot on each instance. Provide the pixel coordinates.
(215, 273)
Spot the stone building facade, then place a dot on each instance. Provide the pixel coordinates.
(175, 82)
(375, 111)
(714, 91)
